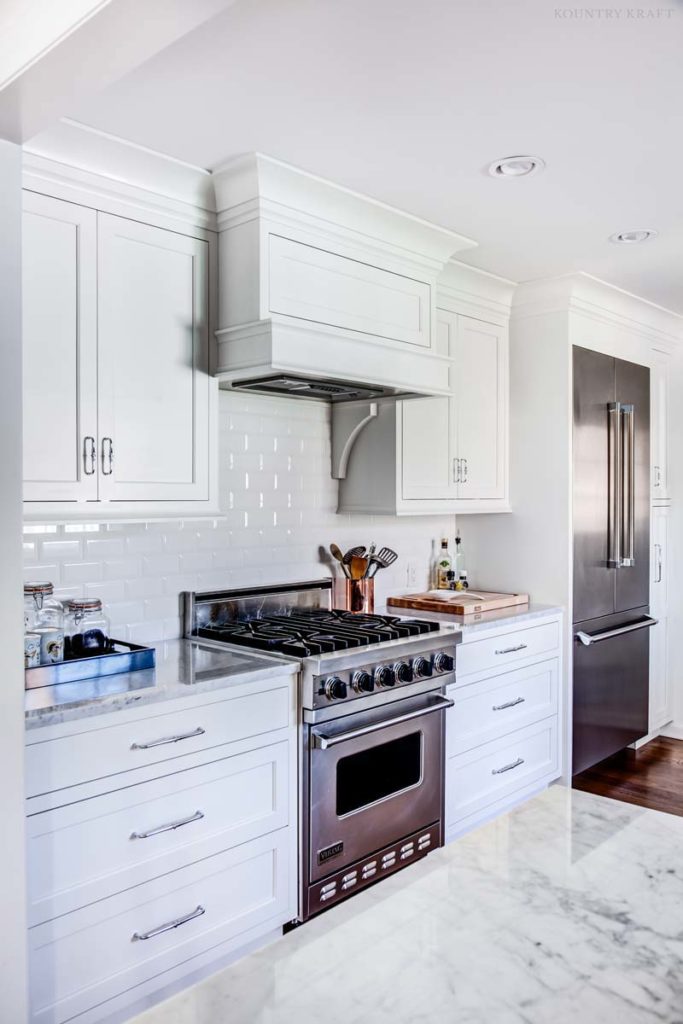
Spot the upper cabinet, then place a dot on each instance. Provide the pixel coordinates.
(659, 424)
(60, 350)
(441, 454)
(118, 397)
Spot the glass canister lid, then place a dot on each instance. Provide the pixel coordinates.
(45, 589)
(85, 604)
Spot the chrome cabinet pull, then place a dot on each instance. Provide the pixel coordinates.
(614, 486)
(169, 739)
(508, 767)
(107, 456)
(89, 456)
(456, 471)
(658, 552)
(508, 704)
(593, 638)
(197, 816)
(143, 936)
(511, 650)
(628, 507)
(466, 471)
(658, 476)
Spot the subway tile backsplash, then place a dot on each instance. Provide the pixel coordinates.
(278, 504)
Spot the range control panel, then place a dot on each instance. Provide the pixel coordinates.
(387, 675)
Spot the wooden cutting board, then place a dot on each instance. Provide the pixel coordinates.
(457, 602)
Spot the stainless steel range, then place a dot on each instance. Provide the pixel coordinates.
(372, 702)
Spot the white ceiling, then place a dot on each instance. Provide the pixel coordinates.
(410, 100)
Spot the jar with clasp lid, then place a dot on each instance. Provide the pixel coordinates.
(86, 628)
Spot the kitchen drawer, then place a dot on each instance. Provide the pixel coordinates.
(92, 849)
(79, 960)
(326, 288)
(498, 652)
(493, 707)
(490, 773)
(137, 742)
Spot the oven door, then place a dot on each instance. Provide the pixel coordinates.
(375, 777)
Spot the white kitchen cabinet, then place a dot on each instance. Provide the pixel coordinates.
(442, 454)
(59, 298)
(173, 850)
(153, 363)
(119, 403)
(503, 733)
(661, 712)
(659, 424)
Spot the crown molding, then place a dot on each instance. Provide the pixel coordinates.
(461, 288)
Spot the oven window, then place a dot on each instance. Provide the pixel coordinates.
(378, 772)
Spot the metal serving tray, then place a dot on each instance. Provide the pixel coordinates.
(124, 658)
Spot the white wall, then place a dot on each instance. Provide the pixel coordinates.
(279, 501)
(12, 878)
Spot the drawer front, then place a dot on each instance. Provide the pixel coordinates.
(316, 285)
(136, 743)
(80, 960)
(493, 707)
(498, 652)
(92, 849)
(496, 770)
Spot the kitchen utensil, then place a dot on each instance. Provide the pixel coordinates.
(337, 553)
(356, 552)
(387, 556)
(359, 567)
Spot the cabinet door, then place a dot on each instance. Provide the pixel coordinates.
(429, 434)
(481, 353)
(59, 295)
(659, 422)
(660, 690)
(153, 363)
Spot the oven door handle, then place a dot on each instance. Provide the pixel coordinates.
(323, 741)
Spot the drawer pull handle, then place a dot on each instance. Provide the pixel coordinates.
(508, 767)
(508, 704)
(511, 650)
(169, 739)
(143, 936)
(197, 816)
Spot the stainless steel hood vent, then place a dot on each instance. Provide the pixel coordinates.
(321, 388)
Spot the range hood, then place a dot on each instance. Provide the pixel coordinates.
(324, 389)
(323, 293)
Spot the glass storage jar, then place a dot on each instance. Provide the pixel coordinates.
(41, 608)
(86, 628)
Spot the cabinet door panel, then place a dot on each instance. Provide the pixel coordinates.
(659, 419)
(481, 374)
(59, 349)
(153, 363)
(427, 443)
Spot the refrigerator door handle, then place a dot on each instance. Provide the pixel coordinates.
(628, 510)
(593, 638)
(614, 531)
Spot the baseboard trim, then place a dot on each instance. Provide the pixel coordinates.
(673, 731)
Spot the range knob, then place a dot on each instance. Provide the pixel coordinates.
(384, 676)
(422, 667)
(335, 688)
(362, 682)
(403, 672)
(443, 662)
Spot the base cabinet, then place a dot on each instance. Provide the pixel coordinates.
(661, 696)
(146, 873)
(503, 731)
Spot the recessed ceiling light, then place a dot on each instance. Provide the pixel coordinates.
(630, 237)
(516, 166)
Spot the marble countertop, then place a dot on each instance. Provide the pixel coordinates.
(469, 624)
(183, 667)
(569, 908)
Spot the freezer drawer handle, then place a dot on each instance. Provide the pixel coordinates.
(323, 741)
(508, 704)
(594, 638)
(508, 767)
(197, 816)
(169, 739)
(143, 936)
(512, 650)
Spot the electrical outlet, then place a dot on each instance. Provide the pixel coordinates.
(412, 574)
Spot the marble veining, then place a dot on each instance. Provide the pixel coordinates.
(569, 908)
(182, 667)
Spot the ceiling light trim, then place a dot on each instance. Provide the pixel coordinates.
(523, 166)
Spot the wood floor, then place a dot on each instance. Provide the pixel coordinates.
(650, 777)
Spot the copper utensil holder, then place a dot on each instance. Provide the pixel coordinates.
(356, 595)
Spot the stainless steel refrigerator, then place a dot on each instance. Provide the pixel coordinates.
(611, 454)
